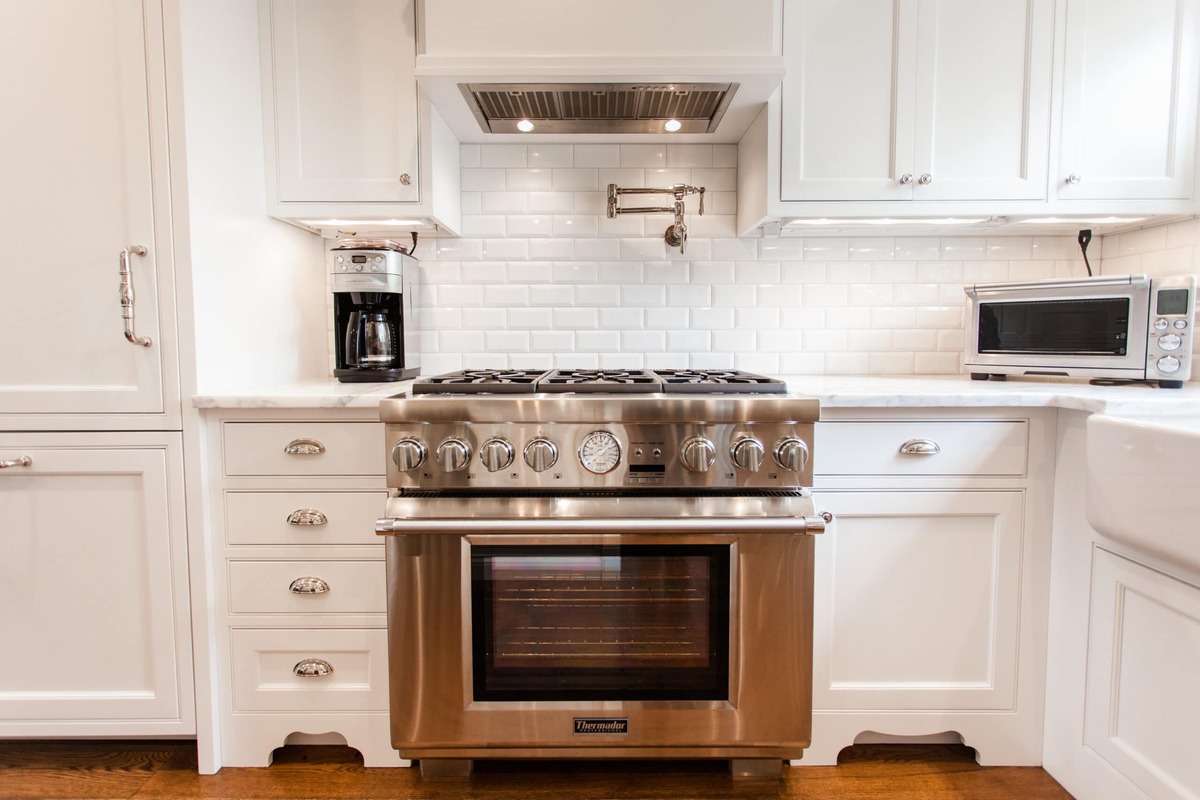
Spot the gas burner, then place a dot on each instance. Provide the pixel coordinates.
(599, 380)
(719, 381)
(478, 381)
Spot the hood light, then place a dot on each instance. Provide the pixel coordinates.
(525, 126)
(672, 125)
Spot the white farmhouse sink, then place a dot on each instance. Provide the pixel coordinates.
(1143, 484)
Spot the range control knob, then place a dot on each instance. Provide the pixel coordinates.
(698, 454)
(408, 454)
(496, 454)
(454, 455)
(791, 453)
(541, 454)
(747, 454)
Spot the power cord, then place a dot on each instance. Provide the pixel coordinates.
(1085, 238)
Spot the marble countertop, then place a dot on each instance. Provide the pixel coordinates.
(950, 391)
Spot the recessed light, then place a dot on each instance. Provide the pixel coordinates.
(525, 126)
(672, 125)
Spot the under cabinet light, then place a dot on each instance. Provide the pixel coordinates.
(891, 221)
(361, 223)
(1081, 220)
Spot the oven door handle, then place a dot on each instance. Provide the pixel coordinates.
(791, 525)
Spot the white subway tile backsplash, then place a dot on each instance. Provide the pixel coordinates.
(552, 249)
(820, 249)
(643, 155)
(597, 155)
(504, 155)
(662, 177)
(689, 155)
(574, 180)
(543, 278)
(549, 155)
(1184, 234)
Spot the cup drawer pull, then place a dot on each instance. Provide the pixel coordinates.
(304, 447)
(308, 585)
(307, 516)
(920, 447)
(313, 668)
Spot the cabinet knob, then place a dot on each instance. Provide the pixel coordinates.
(920, 447)
(307, 516)
(23, 461)
(925, 179)
(1074, 178)
(308, 585)
(313, 668)
(304, 447)
(906, 179)
(405, 179)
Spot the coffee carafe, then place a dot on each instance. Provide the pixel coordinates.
(374, 317)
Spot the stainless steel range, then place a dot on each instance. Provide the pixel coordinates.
(600, 564)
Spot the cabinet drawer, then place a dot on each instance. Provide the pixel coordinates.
(289, 518)
(265, 664)
(264, 587)
(937, 448)
(322, 448)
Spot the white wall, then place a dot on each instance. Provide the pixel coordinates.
(259, 284)
(542, 278)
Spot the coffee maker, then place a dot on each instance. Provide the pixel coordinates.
(374, 311)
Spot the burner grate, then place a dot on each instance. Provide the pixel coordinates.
(600, 380)
(720, 381)
(479, 381)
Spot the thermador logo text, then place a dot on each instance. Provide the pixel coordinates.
(610, 725)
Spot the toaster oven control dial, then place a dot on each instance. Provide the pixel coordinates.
(408, 454)
(496, 454)
(747, 454)
(600, 452)
(791, 453)
(454, 455)
(541, 454)
(1170, 342)
(697, 454)
(1168, 365)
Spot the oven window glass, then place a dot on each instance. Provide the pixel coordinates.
(633, 622)
(1080, 327)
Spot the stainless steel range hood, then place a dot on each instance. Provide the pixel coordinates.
(602, 108)
(602, 72)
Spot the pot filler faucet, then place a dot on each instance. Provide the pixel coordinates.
(676, 234)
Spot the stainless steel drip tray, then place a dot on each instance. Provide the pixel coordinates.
(789, 512)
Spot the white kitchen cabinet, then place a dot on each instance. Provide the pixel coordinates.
(929, 616)
(295, 665)
(93, 581)
(348, 135)
(1130, 86)
(83, 152)
(916, 100)
(1142, 696)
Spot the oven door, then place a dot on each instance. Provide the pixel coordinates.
(617, 640)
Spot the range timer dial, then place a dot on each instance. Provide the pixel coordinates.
(600, 452)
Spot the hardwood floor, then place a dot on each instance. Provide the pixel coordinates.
(105, 770)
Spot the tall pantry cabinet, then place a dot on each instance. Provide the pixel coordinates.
(93, 579)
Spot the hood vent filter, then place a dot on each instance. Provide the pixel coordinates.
(583, 108)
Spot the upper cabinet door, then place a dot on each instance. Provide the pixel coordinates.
(83, 155)
(984, 74)
(1129, 100)
(345, 111)
(847, 99)
(908, 100)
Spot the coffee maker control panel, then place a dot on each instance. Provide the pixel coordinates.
(360, 262)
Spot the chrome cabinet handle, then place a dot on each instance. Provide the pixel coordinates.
(920, 447)
(1074, 178)
(307, 516)
(906, 179)
(925, 178)
(127, 295)
(313, 668)
(23, 461)
(304, 447)
(308, 585)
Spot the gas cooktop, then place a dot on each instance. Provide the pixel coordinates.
(632, 381)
